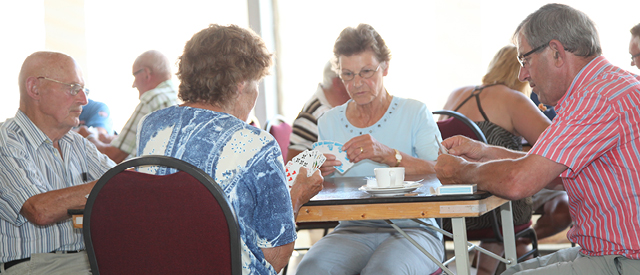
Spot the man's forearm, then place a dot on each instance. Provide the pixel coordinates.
(498, 153)
(513, 178)
(503, 178)
(51, 207)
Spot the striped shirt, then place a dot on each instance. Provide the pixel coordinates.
(305, 127)
(162, 96)
(596, 135)
(30, 165)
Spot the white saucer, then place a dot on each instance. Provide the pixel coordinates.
(408, 186)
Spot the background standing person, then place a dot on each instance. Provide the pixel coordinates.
(330, 93)
(634, 46)
(45, 169)
(219, 71)
(377, 130)
(589, 149)
(152, 73)
(502, 110)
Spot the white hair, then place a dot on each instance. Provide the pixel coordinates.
(328, 75)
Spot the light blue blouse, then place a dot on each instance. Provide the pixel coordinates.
(407, 126)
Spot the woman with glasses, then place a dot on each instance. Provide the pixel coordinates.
(503, 111)
(377, 130)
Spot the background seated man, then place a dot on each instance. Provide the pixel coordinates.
(330, 93)
(152, 73)
(45, 169)
(219, 72)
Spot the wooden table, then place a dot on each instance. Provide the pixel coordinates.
(341, 200)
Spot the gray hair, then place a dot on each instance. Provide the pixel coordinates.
(157, 62)
(635, 31)
(635, 34)
(573, 28)
(328, 75)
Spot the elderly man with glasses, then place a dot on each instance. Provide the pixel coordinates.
(45, 169)
(590, 149)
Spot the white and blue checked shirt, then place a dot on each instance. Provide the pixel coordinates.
(160, 97)
(30, 165)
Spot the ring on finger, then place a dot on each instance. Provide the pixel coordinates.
(361, 150)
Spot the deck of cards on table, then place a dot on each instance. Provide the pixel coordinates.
(334, 148)
(310, 159)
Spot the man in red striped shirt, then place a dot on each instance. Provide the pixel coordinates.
(591, 149)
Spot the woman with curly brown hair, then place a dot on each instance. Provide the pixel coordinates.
(219, 72)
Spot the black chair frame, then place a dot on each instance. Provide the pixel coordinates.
(474, 127)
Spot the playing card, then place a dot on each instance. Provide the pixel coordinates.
(291, 171)
(334, 148)
(309, 159)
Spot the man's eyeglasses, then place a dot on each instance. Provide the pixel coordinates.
(521, 58)
(75, 88)
(365, 73)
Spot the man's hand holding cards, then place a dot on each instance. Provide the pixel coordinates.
(309, 159)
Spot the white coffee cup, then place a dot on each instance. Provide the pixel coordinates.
(389, 177)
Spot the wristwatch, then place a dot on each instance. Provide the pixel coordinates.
(398, 157)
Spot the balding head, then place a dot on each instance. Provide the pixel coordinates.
(150, 69)
(45, 92)
(156, 61)
(50, 64)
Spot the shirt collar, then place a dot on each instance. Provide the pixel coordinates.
(32, 133)
(585, 75)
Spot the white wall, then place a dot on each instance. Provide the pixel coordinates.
(436, 46)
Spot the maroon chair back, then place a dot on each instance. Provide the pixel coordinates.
(281, 131)
(137, 223)
(458, 124)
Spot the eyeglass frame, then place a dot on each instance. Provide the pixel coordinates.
(75, 88)
(360, 73)
(523, 56)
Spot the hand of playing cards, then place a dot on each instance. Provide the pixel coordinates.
(334, 148)
(312, 160)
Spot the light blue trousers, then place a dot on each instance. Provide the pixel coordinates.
(371, 250)
(571, 261)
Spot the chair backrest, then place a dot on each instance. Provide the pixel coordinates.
(459, 124)
(281, 131)
(138, 223)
